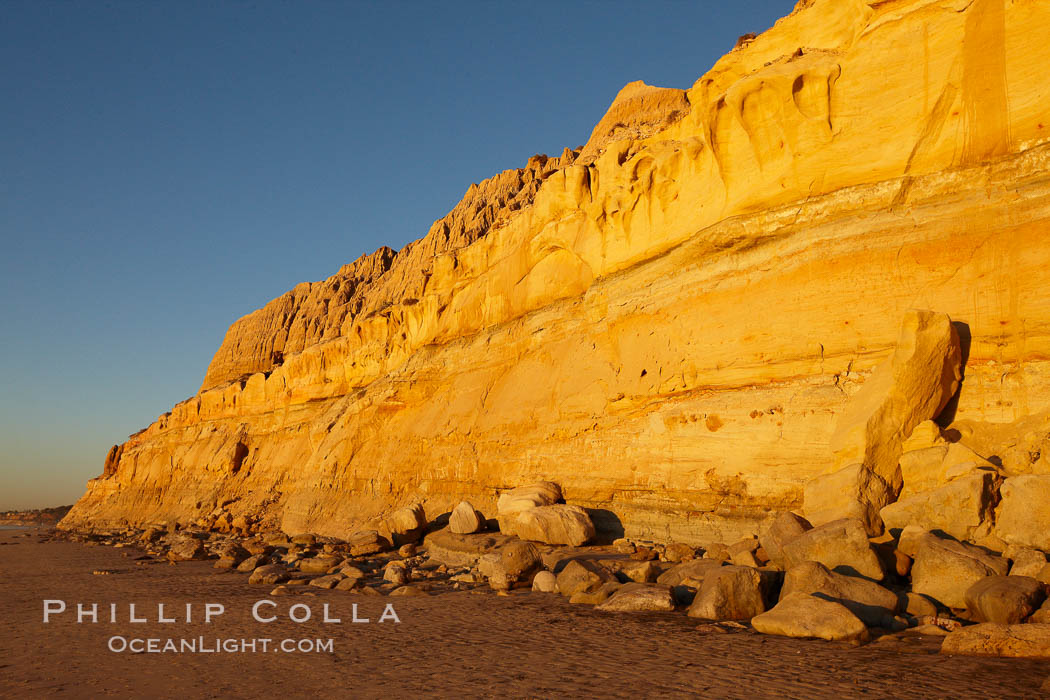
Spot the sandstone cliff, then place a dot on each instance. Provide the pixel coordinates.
(668, 322)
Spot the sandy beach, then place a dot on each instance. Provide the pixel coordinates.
(462, 644)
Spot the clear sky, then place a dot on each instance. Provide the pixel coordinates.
(167, 167)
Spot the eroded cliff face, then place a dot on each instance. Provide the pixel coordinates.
(667, 322)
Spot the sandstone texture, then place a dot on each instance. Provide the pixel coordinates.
(728, 292)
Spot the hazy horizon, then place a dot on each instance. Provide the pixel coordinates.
(171, 168)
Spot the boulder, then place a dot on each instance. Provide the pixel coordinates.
(638, 597)
(852, 492)
(1004, 599)
(910, 387)
(1023, 517)
(305, 539)
(404, 525)
(518, 559)
(841, 545)
(365, 542)
(545, 582)
(465, 519)
(348, 584)
(729, 593)
(677, 552)
(696, 569)
(319, 565)
(253, 562)
(933, 467)
(269, 574)
(808, 617)
(555, 524)
(873, 604)
(1042, 615)
(186, 549)
(918, 606)
(545, 493)
(596, 596)
(327, 582)
(925, 434)
(1025, 561)
(995, 639)
(945, 569)
(910, 538)
(396, 573)
(580, 575)
(784, 528)
(962, 508)
(639, 571)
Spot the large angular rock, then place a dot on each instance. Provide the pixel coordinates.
(556, 524)
(696, 570)
(405, 525)
(784, 528)
(945, 569)
(582, 575)
(933, 467)
(841, 545)
(912, 386)
(1025, 561)
(1004, 599)
(869, 601)
(269, 574)
(187, 548)
(545, 493)
(365, 542)
(1023, 517)
(962, 508)
(808, 617)
(729, 593)
(465, 519)
(319, 565)
(852, 492)
(994, 639)
(639, 597)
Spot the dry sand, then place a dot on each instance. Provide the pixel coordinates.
(459, 644)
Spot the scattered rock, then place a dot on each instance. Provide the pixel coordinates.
(805, 616)
(348, 583)
(407, 550)
(524, 498)
(784, 528)
(582, 576)
(852, 492)
(841, 545)
(186, 549)
(729, 593)
(994, 639)
(918, 606)
(252, 563)
(466, 519)
(639, 571)
(366, 542)
(555, 524)
(327, 582)
(270, 574)
(409, 590)
(545, 582)
(873, 604)
(696, 569)
(1023, 517)
(962, 508)
(677, 552)
(1004, 599)
(944, 569)
(1025, 561)
(638, 597)
(319, 565)
(306, 540)
(405, 525)
(596, 596)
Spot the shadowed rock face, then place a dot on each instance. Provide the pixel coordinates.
(670, 330)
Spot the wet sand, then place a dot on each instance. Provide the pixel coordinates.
(459, 644)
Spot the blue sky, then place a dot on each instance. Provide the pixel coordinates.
(166, 168)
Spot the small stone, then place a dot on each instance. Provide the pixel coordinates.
(327, 582)
(678, 552)
(637, 597)
(407, 550)
(306, 540)
(545, 582)
(396, 573)
(409, 590)
(319, 565)
(270, 573)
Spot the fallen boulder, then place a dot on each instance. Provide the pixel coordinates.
(466, 519)
(852, 492)
(841, 545)
(785, 527)
(580, 575)
(639, 597)
(961, 508)
(1004, 599)
(555, 524)
(995, 639)
(945, 569)
(1023, 517)
(808, 617)
(873, 604)
(729, 593)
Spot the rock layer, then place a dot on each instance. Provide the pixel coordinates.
(669, 330)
